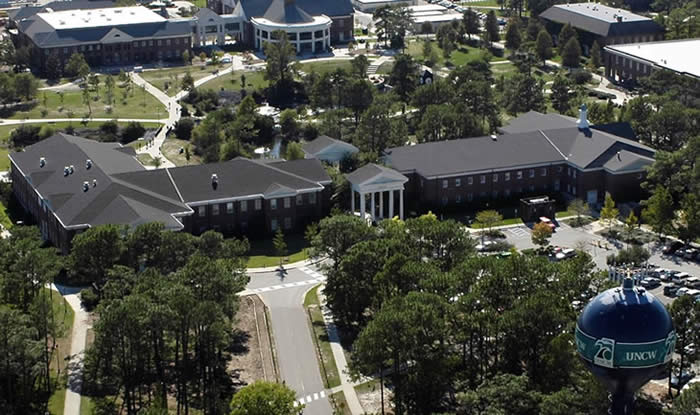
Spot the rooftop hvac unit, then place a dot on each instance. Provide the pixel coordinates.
(86, 186)
(88, 164)
(42, 162)
(66, 171)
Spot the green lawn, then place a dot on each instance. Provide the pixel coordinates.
(171, 150)
(385, 68)
(4, 160)
(460, 56)
(253, 80)
(511, 221)
(340, 404)
(57, 401)
(325, 66)
(145, 159)
(329, 370)
(262, 252)
(86, 405)
(173, 77)
(139, 104)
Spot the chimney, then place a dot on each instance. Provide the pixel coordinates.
(582, 117)
(42, 162)
(88, 164)
(214, 181)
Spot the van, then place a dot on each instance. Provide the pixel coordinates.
(138, 69)
(692, 282)
(680, 277)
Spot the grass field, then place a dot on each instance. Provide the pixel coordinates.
(139, 104)
(511, 221)
(329, 370)
(171, 150)
(145, 159)
(262, 252)
(253, 80)
(173, 77)
(325, 66)
(460, 56)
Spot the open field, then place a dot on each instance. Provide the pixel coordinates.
(253, 80)
(172, 77)
(460, 56)
(171, 150)
(262, 251)
(322, 67)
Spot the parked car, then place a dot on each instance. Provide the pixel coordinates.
(692, 282)
(690, 254)
(680, 277)
(548, 222)
(650, 282)
(690, 349)
(671, 247)
(565, 253)
(668, 275)
(682, 291)
(679, 381)
(485, 246)
(671, 290)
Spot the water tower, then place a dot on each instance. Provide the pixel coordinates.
(625, 336)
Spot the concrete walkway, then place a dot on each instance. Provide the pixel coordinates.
(346, 384)
(77, 120)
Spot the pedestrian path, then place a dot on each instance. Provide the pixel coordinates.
(310, 398)
(375, 64)
(318, 278)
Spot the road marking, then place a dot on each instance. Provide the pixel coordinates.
(315, 396)
(323, 394)
(518, 232)
(310, 398)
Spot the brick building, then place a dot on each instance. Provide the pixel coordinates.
(604, 24)
(537, 154)
(634, 61)
(105, 35)
(69, 184)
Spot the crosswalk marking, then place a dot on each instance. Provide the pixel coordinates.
(310, 398)
(316, 278)
(323, 394)
(315, 396)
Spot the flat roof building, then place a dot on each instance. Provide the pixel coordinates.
(633, 61)
(601, 23)
(369, 6)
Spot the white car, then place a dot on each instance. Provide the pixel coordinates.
(485, 246)
(565, 253)
(682, 291)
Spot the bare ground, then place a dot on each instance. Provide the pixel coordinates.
(370, 399)
(252, 358)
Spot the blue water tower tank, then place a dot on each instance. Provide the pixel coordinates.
(625, 336)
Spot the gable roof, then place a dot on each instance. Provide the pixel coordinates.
(323, 142)
(371, 171)
(285, 11)
(114, 177)
(258, 8)
(527, 141)
(240, 178)
(601, 20)
(311, 169)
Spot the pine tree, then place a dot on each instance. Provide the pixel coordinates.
(513, 38)
(566, 33)
(543, 46)
(491, 31)
(595, 55)
(571, 55)
(280, 245)
(609, 213)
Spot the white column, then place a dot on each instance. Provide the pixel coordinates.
(352, 201)
(374, 217)
(362, 205)
(391, 204)
(401, 204)
(381, 205)
(313, 41)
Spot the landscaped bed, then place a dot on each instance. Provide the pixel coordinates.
(262, 251)
(172, 77)
(329, 370)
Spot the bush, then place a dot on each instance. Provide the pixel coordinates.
(183, 128)
(89, 298)
(133, 131)
(581, 77)
(635, 255)
(25, 135)
(110, 129)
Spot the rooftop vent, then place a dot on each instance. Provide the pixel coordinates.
(582, 117)
(66, 171)
(618, 156)
(42, 162)
(94, 182)
(88, 164)
(86, 186)
(619, 19)
(214, 181)
(494, 137)
(71, 169)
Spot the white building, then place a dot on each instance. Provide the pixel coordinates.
(368, 6)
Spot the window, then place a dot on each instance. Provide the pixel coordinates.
(458, 182)
(640, 175)
(287, 223)
(300, 200)
(470, 197)
(495, 194)
(273, 224)
(143, 43)
(532, 173)
(167, 42)
(459, 199)
(556, 185)
(495, 177)
(312, 198)
(444, 184)
(470, 180)
(215, 210)
(520, 174)
(532, 187)
(574, 174)
(229, 208)
(559, 169)
(273, 204)
(202, 210)
(258, 204)
(519, 189)
(506, 193)
(150, 43)
(568, 171)
(544, 171)
(444, 200)
(160, 42)
(568, 188)
(506, 176)
(574, 190)
(244, 205)
(287, 202)
(482, 195)
(482, 179)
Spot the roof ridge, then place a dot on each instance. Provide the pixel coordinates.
(142, 190)
(282, 171)
(553, 145)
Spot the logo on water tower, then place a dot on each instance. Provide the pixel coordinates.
(605, 351)
(670, 346)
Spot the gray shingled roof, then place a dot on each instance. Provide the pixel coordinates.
(370, 171)
(237, 178)
(584, 149)
(321, 143)
(125, 193)
(311, 169)
(257, 8)
(601, 20)
(283, 11)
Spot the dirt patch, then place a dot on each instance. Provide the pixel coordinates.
(252, 357)
(371, 400)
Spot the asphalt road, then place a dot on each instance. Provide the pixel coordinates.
(296, 352)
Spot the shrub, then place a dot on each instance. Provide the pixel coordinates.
(183, 128)
(25, 135)
(89, 298)
(133, 131)
(635, 255)
(581, 77)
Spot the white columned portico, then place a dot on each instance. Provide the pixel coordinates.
(374, 180)
(391, 204)
(352, 201)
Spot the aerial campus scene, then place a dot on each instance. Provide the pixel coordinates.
(321, 207)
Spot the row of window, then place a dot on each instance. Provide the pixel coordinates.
(506, 176)
(142, 43)
(243, 204)
(287, 224)
(507, 192)
(318, 34)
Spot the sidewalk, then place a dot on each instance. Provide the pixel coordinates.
(294, 265)
(346, 384)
